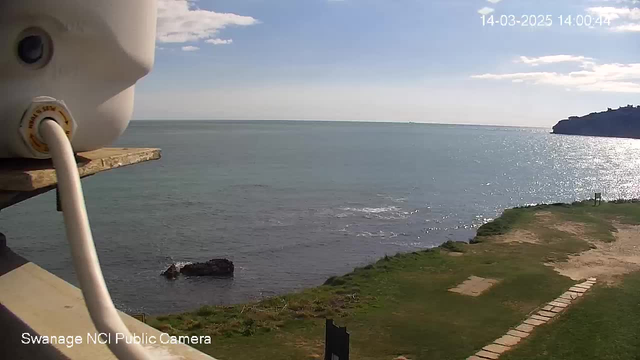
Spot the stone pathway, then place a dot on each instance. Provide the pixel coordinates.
(515, 335)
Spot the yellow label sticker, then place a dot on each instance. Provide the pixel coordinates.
(43, 111)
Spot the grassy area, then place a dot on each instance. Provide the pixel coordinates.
(400, 304)
(604, 325)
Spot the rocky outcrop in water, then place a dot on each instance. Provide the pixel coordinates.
(623, 122)
(172, 272)
(213, 267)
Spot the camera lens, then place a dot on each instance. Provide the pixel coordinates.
(31, 49)
(34, 48)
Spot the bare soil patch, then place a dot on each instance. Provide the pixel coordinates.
(474, 286)
(607, 260)
(547, 219)
(571, 227)
(544, 216)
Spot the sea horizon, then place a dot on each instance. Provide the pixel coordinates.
(352, 121)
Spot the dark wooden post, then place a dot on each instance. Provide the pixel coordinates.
(336, 346)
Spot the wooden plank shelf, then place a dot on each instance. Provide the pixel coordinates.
(21, 179)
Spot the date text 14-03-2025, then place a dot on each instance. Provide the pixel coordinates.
(545, 20)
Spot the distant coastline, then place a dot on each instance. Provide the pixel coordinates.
(623, 122)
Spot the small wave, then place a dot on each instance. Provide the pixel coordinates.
(372, 210)
(480, 220)
(398, 215)
(432, 228)
(387, 197)
(395, 216)
(413, 245)
(379, 234)
(369, 234)
(180, 264)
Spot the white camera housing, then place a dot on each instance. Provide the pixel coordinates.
(86, 53)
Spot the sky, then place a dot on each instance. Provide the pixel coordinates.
(432, 61)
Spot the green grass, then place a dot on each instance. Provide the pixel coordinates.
(453, 246)
(400, 304)
(502, 225)
(605, 325)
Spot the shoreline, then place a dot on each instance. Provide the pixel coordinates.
(401, 305)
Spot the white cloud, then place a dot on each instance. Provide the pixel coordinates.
(618, 1)
(180, 21)
(190, 48)
(631, 15)
(219, 41)
(485, 11)
(626, 28)
(554, 59)
(494, 1)
(614, 13)
(614, 77)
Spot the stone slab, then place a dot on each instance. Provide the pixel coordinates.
(518, 333)
(558, 304)
(577, 289)
(556, 309)
(541, 318)
(583, 286)
(474, 286)
(508, 340)
(474, 358)
(487, 355)
(566, 296)
(547, 308)
(562, 300)
(533, 322)
(592, 279)
(548, 314)
(495, 348)
(524, 328)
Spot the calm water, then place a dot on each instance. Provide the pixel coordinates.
(292, 203)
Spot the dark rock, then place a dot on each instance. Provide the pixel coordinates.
(213, 267)
(172, 272)
(623, 122)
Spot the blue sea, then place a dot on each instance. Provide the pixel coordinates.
(292, 203)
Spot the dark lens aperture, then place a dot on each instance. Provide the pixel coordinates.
(31, 49)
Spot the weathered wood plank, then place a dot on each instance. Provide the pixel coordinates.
(21, 179)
